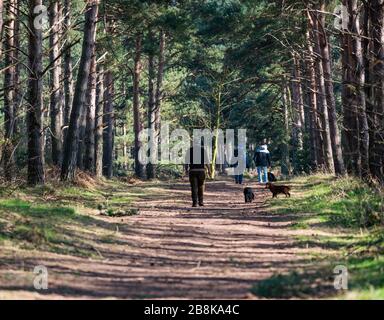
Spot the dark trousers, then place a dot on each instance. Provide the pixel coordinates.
(239, 179)
(197, 180)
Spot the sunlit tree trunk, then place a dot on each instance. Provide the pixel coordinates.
(316, 125)
(108, 120)
(151, 167)
(329, 88)
(72, 137)
(89, 156)
(99, 122)
(137, 125)
(35, 100)
(327, 143)
(56, 98)
(9, 90)
(68, 69)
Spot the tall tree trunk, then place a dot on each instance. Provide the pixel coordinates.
(18, 67)
(377, 149)
(367, 45)
(351, 95)
(125, 147)
(359, 91)
(318, 156)
(35, 100)
(9, 90)
(89, 157)
(1, 26)
(72, 137)
(329, 88)
(136, 105)
(99, 122)
(285, 162)
(68, 69)
(151, 169)
(56, 99)
(160, 79)
(328, 153)
(109, 119)
(297, 114)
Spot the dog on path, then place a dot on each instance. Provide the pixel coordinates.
(249, 195)
(276, 190)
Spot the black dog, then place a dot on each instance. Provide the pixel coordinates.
(271, 177)
(249, 195)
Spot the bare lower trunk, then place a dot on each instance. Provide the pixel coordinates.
(99, 122)
(9, 91)
(109, 119)
(151, 167)
(298, 103)
(136, 106)
(35, 100)
(377, 32)
(56, 99)
(72, 137)
(328, 153)
(160, 79)
(315, 123)
(1, 26)
(333, 125)
(89, 156)
(68, 72)
(285, 163)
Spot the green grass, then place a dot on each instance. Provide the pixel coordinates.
(352, 216)
(56, 217)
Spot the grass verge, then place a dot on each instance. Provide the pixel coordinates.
(345, 218)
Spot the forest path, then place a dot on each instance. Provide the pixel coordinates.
(171, 251)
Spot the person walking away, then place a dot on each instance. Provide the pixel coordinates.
(239, 172)
(263, 162)
(197, 166)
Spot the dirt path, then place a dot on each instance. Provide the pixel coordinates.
(169, 251)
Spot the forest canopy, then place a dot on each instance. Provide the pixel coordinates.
(305, 76)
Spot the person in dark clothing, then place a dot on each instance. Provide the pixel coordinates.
(197, 166)
(263, 161)
(239, 176)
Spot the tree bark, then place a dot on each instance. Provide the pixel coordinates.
(318, 157)
(285, 161)
(9, 91)
(72, 137)
(329, 88)
(99, 122)
(297, 115)
(160, 79)
(56, 98)
(89, 157)
(327, 143)
(377, 32)
(35, 100)
(1, 26)
(151, 167)
(109, 119)
(136, 105)
(359, 90)
(68, 68)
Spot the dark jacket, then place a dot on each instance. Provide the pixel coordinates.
(200, 162)
(262, 157)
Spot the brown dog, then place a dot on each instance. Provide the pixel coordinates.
(278, 189)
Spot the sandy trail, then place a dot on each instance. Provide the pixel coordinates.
(169, 251)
